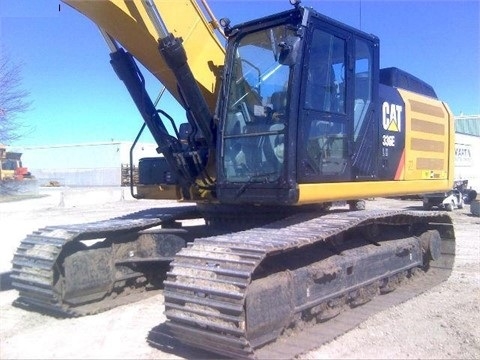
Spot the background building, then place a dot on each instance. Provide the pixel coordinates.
(467, 149)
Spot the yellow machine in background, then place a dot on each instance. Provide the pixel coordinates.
(11, 166)
(15, 179)
(6, 170)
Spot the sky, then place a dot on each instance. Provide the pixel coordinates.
(77, 98)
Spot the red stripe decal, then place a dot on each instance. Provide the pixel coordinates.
(401, 166)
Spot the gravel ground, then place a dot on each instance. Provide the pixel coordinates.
(442, 323)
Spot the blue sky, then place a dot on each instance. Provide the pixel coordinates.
(78, 98)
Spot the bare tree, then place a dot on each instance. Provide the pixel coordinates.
(13, 99)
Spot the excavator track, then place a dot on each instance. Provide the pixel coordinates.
(249, 294)
(55, 272)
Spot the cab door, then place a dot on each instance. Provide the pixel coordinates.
(326, 106)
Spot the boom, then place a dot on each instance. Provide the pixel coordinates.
(129, 23)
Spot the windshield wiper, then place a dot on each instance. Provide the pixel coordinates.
(273, 42)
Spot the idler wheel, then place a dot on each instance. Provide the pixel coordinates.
(431, 244)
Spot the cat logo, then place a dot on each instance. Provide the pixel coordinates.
(392, 117)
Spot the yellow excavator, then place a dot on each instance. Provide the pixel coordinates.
(11, 168)
(292, 115)
(15, 179)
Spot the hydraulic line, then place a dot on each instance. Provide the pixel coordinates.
(173, 52)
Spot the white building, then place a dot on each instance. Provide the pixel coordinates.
(467, 150)
(91, 164)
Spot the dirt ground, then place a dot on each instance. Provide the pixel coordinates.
(442, 323)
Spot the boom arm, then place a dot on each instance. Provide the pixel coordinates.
(128, 22)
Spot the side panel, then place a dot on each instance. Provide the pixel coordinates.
(128, 22)
(429, 149)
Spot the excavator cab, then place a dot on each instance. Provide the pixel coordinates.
(297, 97)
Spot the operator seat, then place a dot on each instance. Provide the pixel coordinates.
(279, 104)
